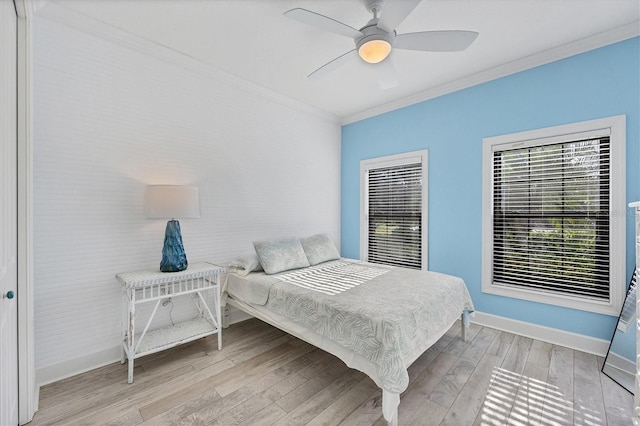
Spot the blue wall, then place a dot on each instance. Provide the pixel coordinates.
(600, 83)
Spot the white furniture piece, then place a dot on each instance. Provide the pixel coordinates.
(201, 281)
(636, 405)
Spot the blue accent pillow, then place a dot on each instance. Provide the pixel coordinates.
(280, 255)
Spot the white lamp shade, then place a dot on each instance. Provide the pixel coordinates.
(171, 202)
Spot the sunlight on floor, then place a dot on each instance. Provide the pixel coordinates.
(514, 399)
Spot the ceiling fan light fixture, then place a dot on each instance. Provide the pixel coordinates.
(374, 51)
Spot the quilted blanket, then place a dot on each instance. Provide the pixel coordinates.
(388, 315)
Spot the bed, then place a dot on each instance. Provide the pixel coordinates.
(376, 318)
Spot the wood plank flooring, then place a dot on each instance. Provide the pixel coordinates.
(263, 376)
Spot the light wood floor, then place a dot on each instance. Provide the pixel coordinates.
(263, 376)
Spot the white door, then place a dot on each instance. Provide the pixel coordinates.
(8, 216)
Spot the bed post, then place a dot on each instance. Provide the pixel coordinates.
(394, 421)
(225, 316)
(463, 327)
(390, 403)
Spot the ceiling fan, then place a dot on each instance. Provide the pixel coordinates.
(376, 39)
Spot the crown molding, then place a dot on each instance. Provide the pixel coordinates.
(78, 21)
(73, 19)
(555, 54)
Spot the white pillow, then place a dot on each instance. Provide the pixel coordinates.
(319, 248)
(281, 255)
(244, 264)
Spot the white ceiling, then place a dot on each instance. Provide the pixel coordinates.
(252, 40)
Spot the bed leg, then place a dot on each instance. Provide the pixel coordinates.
(394, 421)
(225, 317)
(390, 403)
(463, 327)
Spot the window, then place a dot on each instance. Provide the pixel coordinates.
(553, 215)
(394, 210)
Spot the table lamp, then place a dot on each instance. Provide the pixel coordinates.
(172, 202)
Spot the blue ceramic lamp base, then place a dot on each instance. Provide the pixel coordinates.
(174, 258)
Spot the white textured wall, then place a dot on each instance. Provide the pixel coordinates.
(111, 116)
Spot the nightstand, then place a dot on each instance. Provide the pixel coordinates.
(200, 280)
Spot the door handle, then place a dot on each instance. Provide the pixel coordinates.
(8, 295)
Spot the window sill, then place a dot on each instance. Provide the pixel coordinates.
(595, 306)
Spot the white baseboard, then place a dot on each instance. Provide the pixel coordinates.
(66, 369)
(621, 363)
(567, 339)
(63, 370)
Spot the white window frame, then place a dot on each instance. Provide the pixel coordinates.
(615, 128)
(413, 157)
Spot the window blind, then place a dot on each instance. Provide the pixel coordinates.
(551, 218)
(395, 215)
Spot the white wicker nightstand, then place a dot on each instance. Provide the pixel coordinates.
(148, 286)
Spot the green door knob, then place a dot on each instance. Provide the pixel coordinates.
(9, 295)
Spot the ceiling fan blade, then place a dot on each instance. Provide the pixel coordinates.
(333, 65)
(322, 22)
(387, 74)
(394, 12)
(436, 41)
